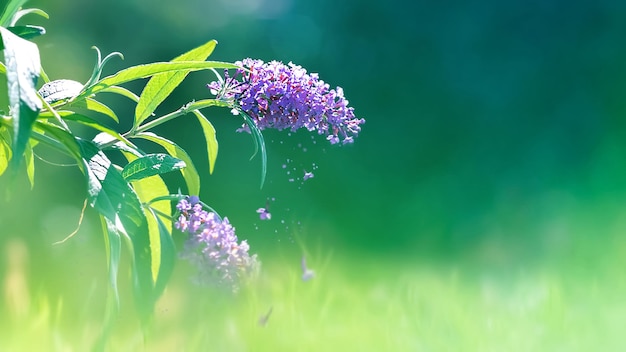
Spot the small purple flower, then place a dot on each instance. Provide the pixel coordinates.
(213, 247)
(282, 96)
(307, 175)
(264, 214)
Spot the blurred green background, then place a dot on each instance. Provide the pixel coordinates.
(495, 138)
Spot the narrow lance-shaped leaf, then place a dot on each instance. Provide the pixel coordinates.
(148, 189)
(161, 85)
(9, 11)
(151, 165)
(259, 143)
(95, 106)
(210, 138)
(190, 174)
(167, 255)
(147, 70)
(27, 32)
(113, 197)
(113, 248)
(22, 64)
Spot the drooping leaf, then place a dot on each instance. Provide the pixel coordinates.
(28, 31)
(21, 13)
(95, 106)
(113, 248)
(259, 144)
(167, 255)
(9, 11)
(85, 120)
(22, 65)
(30, 164)
(113, 198)
(161, 85)
(5, 149)
(147, 189)
(61, 139)
(147, 70)
(190, 174)
(121, 91)
(210, 138)
(150, 165)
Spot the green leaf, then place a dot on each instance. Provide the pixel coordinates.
(3, 69)
(147, 70)
(113, 247)
(85, 120)
(167, 255)
(11, 8)
(205, 103)
(22, 64)
(121, 91)
(259, 143)
(210, 137)
(147, 189)
(21, 13)
(66, 142)
(114, 199)
(96, 106)
(30, 164)
(150, 165)
(5, 149)
(160, 86)
(190, 174)
(27, 32)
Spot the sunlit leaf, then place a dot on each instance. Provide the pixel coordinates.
(22, 65)
(21, 13)
(147, 189)
(60, 89)
(95, 106)
(9, 11)
(113, 247)
(147, 70)
(30, 164)
(210, 138)
(113, 197)
(151, 165)
(161, 85)
(167, 254)
(121, 91)
(5, 149)
(190, 174)
(85, 120)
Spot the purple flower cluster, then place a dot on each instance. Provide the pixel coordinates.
(213, 246)
(282, 96)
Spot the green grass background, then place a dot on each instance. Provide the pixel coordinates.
(482, 208)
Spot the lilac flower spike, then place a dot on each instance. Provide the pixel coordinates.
(213, 247)
(282, 96)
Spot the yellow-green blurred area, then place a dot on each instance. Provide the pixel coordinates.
(482, 208)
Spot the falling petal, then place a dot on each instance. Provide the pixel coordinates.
(307, 274)
(264, 318)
